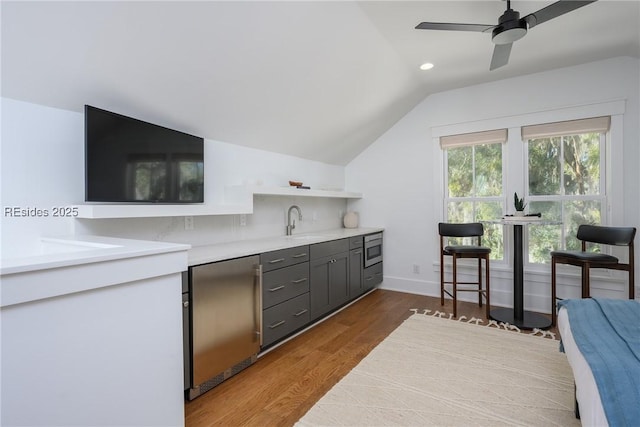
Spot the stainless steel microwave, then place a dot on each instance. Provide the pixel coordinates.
(372, 249)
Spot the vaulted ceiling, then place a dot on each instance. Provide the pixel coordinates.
(319, 80)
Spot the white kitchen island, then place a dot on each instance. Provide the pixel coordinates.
(92, 333)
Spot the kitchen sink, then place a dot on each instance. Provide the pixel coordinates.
(54, 246)
(308, 237)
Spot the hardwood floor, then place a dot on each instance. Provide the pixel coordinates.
(283, 384)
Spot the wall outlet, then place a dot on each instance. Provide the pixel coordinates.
(188, 223)
(243, 220)
(416, 269)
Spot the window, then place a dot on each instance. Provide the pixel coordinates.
(153, 177)
(474, 176)
(565, 176)
(190, 176)
(146, 177)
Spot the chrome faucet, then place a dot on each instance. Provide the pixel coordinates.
(290, 225)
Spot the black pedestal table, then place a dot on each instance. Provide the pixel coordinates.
(518, 316)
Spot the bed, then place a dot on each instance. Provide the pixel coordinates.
(601, 338)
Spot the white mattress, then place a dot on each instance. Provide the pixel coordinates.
(591, 411)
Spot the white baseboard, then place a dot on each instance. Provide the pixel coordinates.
(499, 297)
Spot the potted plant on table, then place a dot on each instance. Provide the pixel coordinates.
(519, 204)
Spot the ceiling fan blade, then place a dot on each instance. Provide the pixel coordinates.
(480, 28)
(500, 56)
(553, 11)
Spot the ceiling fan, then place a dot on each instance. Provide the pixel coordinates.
(510, 27)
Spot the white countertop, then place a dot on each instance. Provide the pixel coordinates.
(77, 250)
(58, 252)
(219, 252)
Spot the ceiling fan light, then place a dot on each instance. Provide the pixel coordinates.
(426, 66)
(508, 32)
(509, 36)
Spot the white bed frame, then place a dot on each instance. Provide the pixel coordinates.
(587, 395)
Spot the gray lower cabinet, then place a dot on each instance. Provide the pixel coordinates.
(356, 267)
(302, 284)
(285, 292)
(329, 275)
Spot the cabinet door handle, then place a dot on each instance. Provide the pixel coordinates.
(357, 252)
(304, 279)
(277, 288)
(303, 311)
(299, 255)
(275, 325)
(275, 261)
(369, 278)
(378, 274)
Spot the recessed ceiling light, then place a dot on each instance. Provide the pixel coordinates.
(426, 66)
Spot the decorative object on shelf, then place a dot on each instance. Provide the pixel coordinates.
(298, 184)
(350, 220)
(519, 204)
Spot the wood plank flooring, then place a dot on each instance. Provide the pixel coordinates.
(283, 384)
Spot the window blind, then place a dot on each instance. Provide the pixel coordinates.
(570, 127)
(475, 138)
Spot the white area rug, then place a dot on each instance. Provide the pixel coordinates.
(436, 371)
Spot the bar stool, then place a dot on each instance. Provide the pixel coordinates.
(611, 236)
(475, 231)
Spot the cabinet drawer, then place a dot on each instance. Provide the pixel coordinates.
(285, 318)
(284, 258)
(320, 250)
(372, 276)
(284, 283)
(355, 242)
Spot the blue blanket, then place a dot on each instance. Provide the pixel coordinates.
(607, 332)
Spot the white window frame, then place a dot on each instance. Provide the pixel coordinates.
(475, 199)
(602, 197)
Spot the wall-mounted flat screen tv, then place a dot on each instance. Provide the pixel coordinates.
(128, 160)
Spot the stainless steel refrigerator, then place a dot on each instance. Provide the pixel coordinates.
(226, 320)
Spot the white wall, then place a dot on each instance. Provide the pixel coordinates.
(42, 154)
(42, 159)
(400, 173)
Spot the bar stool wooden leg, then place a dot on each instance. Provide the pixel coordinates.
(455, 286)
(585, 281)
(480, 282)
(488, 294)
(441, 279)
(553, 291)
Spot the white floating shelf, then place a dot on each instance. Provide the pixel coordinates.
(301, 192)
(240, 199)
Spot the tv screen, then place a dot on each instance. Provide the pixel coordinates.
(128, 160)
